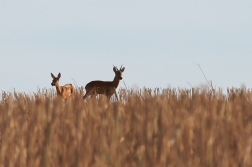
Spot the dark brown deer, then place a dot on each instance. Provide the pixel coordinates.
(107, 88)
(63, 91)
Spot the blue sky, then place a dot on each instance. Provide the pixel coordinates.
(156, 41)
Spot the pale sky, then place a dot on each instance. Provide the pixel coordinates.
(156, 41)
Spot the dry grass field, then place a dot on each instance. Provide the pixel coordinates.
(145, 128)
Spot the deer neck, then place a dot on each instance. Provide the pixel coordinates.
(58, 88)
(115, 82)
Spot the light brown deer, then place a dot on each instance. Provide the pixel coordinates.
(107, 88)
(63, 91)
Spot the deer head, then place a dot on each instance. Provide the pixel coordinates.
(55, 79)
(118, 73)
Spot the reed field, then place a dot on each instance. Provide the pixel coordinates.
(197, 127)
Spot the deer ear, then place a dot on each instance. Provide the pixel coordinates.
(59, 75)
(122, 69)
(114, 69)
(53, 76)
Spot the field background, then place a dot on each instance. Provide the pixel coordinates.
(197, 127)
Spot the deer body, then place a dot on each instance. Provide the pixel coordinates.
(107, 88)
(63, 91)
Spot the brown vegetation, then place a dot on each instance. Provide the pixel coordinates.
(171, 127)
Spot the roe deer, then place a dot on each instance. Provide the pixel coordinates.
(107, 88)
(63, 91)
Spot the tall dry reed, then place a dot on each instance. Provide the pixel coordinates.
(146, 128)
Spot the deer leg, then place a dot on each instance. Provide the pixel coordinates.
(116, 96)
(85, 96)
(89, 92)
(113, 91)
(110, 92)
